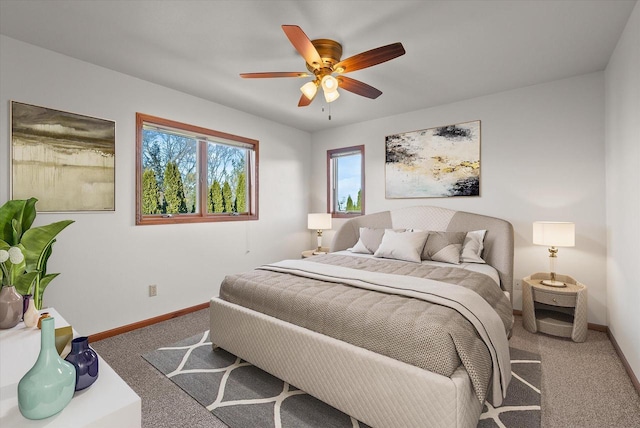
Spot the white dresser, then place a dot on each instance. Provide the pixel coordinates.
(108, 403)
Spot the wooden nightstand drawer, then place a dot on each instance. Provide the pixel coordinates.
(554, 299)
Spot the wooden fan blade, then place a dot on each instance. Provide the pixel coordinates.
(303, 45)
(358, 87)
(304, 101)
(370, 58)
(274, 74)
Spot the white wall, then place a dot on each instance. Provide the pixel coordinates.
(542, 158)
(106, 261)
(622, 78)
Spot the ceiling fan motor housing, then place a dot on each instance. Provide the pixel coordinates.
(330, 51)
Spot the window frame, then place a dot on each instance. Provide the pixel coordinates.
(206, 135)
(334, 154)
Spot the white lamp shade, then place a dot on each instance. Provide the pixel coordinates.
(319, 221)
(309, 89)
(331, 96)
(554, 233)
(329, 83)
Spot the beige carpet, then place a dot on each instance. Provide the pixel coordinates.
(583, 384)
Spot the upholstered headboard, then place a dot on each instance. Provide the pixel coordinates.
(498, 241)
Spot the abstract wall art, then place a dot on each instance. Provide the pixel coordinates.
(435, 162)
(65, 160)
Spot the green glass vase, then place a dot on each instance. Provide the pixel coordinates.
(48, 387)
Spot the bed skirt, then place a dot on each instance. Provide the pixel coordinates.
(378, 390)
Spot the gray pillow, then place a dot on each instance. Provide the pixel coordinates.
(444, 247)
(369, 241)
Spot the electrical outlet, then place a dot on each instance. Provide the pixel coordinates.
(153, 290)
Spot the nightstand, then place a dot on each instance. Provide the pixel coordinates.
(559, 311)
(309, 253)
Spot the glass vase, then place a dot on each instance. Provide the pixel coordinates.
(85, 360)
(48, 387)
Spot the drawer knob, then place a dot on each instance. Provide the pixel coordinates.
(554, 300)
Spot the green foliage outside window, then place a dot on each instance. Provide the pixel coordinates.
(150, 193)
(241, 194)
(227, 198)
(350, 206)
(215, 198)
(174, 199)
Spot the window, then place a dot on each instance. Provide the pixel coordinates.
(345, 178)
(187, 174)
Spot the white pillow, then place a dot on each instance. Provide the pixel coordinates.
(405, 246)
(472, 247)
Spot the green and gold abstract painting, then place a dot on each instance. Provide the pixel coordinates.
(65, 160)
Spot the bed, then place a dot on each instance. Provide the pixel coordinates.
(359, 332)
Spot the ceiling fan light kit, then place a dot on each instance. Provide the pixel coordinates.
(322, 57)
(331, 96)
(310, 89)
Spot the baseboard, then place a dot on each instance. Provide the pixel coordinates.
(145, 323)
(598, 327)
(625, 363)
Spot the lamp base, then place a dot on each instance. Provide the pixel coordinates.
(552, 283)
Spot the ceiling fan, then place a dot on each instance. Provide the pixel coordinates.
(322, 58)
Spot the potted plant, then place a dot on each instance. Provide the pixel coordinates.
(16, 219)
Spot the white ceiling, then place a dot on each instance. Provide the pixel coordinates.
(456, 50)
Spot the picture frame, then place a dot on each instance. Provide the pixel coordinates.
(436, 162)
(65, 160)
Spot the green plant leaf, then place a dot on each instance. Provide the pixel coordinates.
(37, 242)
(45, 257)
(44, 282)
(24, 281)
(23, 212)
(16, 230)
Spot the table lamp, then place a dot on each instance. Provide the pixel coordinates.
(554, 234)
(319, 222)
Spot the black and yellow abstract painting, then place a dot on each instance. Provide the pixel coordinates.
(436, 162)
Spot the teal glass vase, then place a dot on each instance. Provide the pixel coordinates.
(48, 387)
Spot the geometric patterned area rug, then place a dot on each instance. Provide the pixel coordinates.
(521, 407)
(244, 396)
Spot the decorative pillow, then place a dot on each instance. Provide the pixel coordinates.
(405, 246)
(369, 241)
(444, 247)
(472, 247)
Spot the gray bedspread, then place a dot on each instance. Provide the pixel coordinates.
(424, 334)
